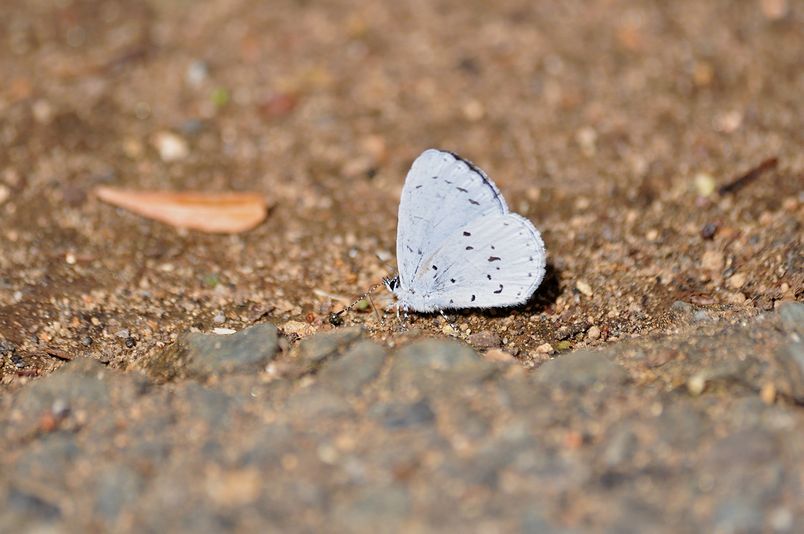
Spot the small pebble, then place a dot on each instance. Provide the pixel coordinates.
(223, 331)
(130, 342)
(563, 345)
(219, 318)
(473, 110)
(709, 230)
(545, 348)
(737, 280)
(712, 260)
(768, 393)
(171, 147)
(696, 384)
(774, 9)
(584, 288)
(704, 184)
(484, 340)
(587, 140)
(196, 74)
(593, 333)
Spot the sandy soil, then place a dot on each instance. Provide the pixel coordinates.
(608, 124)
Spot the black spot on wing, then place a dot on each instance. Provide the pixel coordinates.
(435, 268)
(475, 202)
(470, 248)
(488, 276)
(467, 234)
(499, 290)
(493, 258)
(462, 190)
(473, 298)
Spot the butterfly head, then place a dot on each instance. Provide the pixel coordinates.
(391, 283)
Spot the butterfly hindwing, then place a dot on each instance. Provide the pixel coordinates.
(493, 261)
(442, 193)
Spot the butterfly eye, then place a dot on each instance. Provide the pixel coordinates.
(391, 283)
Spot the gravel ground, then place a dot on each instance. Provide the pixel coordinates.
(656, 378)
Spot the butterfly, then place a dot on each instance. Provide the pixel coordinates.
(457, 244)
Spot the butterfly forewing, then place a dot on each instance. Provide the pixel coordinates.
(493, 261)
(442, 193)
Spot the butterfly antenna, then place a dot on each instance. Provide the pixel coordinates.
(336, 318)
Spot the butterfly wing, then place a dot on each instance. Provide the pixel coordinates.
(442, 193)
(493, 261)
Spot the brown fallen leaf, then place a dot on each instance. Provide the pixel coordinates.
(222, 213)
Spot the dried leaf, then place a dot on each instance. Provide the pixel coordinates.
(225, 213)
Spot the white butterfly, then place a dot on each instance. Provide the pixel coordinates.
(457, 245)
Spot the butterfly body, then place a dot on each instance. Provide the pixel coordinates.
(458, 246)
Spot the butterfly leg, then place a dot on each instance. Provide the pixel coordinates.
(450, 323)
(401, 319)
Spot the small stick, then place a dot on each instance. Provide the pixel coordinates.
(745, 179)
(58, 353)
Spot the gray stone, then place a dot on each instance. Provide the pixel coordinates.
(374, 509)
(47, 461)
(744, 449)
(790, 358)
(317, 401)
(397, 416)
(315, 349)
(437, 366)
(681, 426)
(264, 447)
(200, 356)
(792, 316)
(738, 516)
(581, 369)
(682, 308)
(351, 372)
(116, 487)
(82, 385)
(620, 447)
(535, 522)
(200, 403)
(30, 504)
(81, 380)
